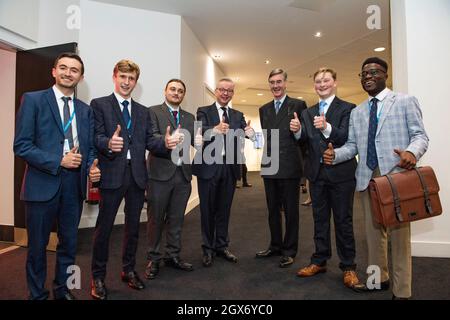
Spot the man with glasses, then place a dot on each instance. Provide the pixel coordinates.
(282, 114)
(388, 134)
(217, 179)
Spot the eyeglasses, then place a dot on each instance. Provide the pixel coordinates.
(371, 72)
(222, 90)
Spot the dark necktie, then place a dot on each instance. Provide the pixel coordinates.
(126, 114)
(175, 117)
(225, 115)
(372, 159)
(67, 126)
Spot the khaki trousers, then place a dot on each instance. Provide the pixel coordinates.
(377, 242)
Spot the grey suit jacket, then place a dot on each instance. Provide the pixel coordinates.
(160, 166)
(400, 127)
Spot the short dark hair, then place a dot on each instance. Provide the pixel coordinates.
(277, 71)
(176, 80)
(376, 60)
(72, 56)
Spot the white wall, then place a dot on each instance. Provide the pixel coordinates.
(420, 46)
(7, 110)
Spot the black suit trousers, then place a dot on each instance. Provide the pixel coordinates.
(283, 193)
(330, 197)
(109, 204)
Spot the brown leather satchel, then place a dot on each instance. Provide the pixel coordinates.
(405, 196)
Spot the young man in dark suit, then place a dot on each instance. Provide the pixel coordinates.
(217, 179)
(282, 187)
(331, 187)
(55, 137)
(122, 135)
(169, 182)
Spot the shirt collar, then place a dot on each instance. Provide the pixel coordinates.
(328, 100)
(121, 99)
(171, 108)
(382, 95)
(219, 107)
(59, 94)
(281, 100)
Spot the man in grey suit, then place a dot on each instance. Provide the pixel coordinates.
(169, 183)
(388, 134)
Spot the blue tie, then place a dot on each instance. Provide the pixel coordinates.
(372, 159)
(126, 114)
(322, 106)
(277, 106)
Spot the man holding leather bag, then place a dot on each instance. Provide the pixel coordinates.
(388, 134)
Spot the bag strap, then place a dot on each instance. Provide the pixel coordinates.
(398, 209)
(426, 193)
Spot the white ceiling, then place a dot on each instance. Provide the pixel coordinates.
(245, 33)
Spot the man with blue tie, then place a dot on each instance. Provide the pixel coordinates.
(331, 187)
(55, 137)
(122, 136)
(388, 134)
(283, 187)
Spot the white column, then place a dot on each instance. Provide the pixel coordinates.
(421, 67)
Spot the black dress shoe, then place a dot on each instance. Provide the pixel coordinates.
(67, 296)
(207, 260)
(268, 253)
(178, 264)
(133, 280)
(98, 289)
(362, 287)
(227, 255)
(286, 261)
(152, 270)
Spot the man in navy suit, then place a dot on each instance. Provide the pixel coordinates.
(331, 187)
(217, 179)
(122, 135)
(55, 137)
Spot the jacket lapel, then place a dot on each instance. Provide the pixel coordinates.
(387, 105)
(284, 111)
(169, 115)
(118, 112)
(54, 109)
(332, 109)
(80, 122)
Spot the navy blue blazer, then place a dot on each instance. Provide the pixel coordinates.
(209, 116)
(107, 116)
(39, 140)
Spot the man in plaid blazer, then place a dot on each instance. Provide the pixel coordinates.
(388, 134)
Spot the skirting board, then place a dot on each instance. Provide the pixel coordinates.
(430, 249)
(90, 212)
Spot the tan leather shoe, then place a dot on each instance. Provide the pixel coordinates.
(350, 279)
(311, 270)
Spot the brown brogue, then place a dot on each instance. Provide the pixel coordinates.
(311, 270)
(350, 279)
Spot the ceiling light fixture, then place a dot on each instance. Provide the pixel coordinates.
(299, 97)
(380, 49)
(217, 56)
(318, 35)
(267, 62)
(259, 94)
(243, 100)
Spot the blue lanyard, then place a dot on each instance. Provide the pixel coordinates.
(66, 127)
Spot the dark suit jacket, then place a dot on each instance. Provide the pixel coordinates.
(338, 116)
(290, 157)
(39, 140)
(209, 116)
(160, 166)
(107, 116)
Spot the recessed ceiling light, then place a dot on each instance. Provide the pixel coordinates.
(380, 49)
(299, 97)
(237, 79)
(217, 56)
(318, 35)
(259, 94)
(243, 100)
(267, 62)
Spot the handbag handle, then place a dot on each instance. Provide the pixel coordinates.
(426, 193)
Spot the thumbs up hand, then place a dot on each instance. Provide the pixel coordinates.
(178, 134)
(328, 155)
(198, 139)
(320, 122)
(295, 124)
(249, 131)
(222, 127)
(94, 172)
(71, 159)
(116, 142)
(171, 140)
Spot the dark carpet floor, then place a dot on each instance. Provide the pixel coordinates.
(249, 279)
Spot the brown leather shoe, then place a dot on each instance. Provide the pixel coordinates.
(350, 279)
(311, 270)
